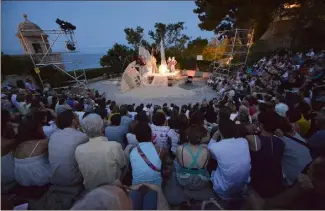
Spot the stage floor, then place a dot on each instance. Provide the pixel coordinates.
(179, 93)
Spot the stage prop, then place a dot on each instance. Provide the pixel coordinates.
(131, 78)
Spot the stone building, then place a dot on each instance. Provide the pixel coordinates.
(35, 43)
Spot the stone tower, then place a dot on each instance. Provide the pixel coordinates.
(32, 38)
(35, 43)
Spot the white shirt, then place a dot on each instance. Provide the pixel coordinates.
(159, 134)
(132, 139)
(100, 161)
(174, 136)
(233, 171)
(233, 116)
(132, 114)
(49, 130)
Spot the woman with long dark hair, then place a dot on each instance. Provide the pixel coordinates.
(31, 154)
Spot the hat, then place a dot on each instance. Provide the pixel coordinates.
(281, 109)
(320, 114)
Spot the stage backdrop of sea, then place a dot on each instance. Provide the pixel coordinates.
(81, 61)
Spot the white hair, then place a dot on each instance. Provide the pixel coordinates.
(98, 199)
(92, 124)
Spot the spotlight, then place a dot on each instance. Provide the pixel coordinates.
(66, 26)
(71, 46)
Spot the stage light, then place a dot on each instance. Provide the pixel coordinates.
(163, 69)
(71, 46)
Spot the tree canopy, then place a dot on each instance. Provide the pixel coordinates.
(257, 13)
(116, 56)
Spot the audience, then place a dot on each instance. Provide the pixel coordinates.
(258, 144)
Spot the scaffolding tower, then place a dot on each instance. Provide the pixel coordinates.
(236, 45)
(66, 65)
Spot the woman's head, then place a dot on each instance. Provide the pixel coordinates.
(143, 132)
(197, 118)
(268, 121)
(228, 129)
(67, 119)
(159, 119)
(194, 135)
(142, 117)
(31, 128)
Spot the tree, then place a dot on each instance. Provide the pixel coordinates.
(195, 47)
(116, 56)
(212, 52)
(171, 34)
(259, 13)
(135, 37)
(256, 13)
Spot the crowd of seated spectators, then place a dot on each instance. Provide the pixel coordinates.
(260, 144)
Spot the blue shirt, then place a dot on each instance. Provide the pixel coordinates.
(115, 133)
(141, 172)
(317, 143)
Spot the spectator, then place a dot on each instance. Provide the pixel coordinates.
(231, 177)
(192, 160)
(62, 147)
(62, 105)
(266, 152)
(159, 132)
(177, 133)
(99, 161)
(115, 132)
(317, 141)
(296, 154)
(8, 143)
(31, 159)
(145, 160)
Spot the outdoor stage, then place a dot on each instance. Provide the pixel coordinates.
(180, 93)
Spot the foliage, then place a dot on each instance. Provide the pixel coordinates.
(212, 52)
(195, 47)
(258, 14)
(116, 56)
(15, 65)
(135, 37)
(171, 34)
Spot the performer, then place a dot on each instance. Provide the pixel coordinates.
(154, 64)
(173, 64)
(169, 63)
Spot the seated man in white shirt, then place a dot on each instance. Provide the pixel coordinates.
(100, 161)
(232, 175)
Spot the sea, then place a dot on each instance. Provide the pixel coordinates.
(81, 61)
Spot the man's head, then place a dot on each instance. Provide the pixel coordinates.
(116, 120)
(123, 110)
(159, 119)
(92, 124)
(106, 197)
(67, 119)
(143, 132)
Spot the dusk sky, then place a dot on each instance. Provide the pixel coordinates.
(99, 24)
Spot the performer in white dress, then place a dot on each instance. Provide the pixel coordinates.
(169, 63)
(173, 64)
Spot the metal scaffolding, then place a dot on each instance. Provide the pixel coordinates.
(236, 50)
(41, 59)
